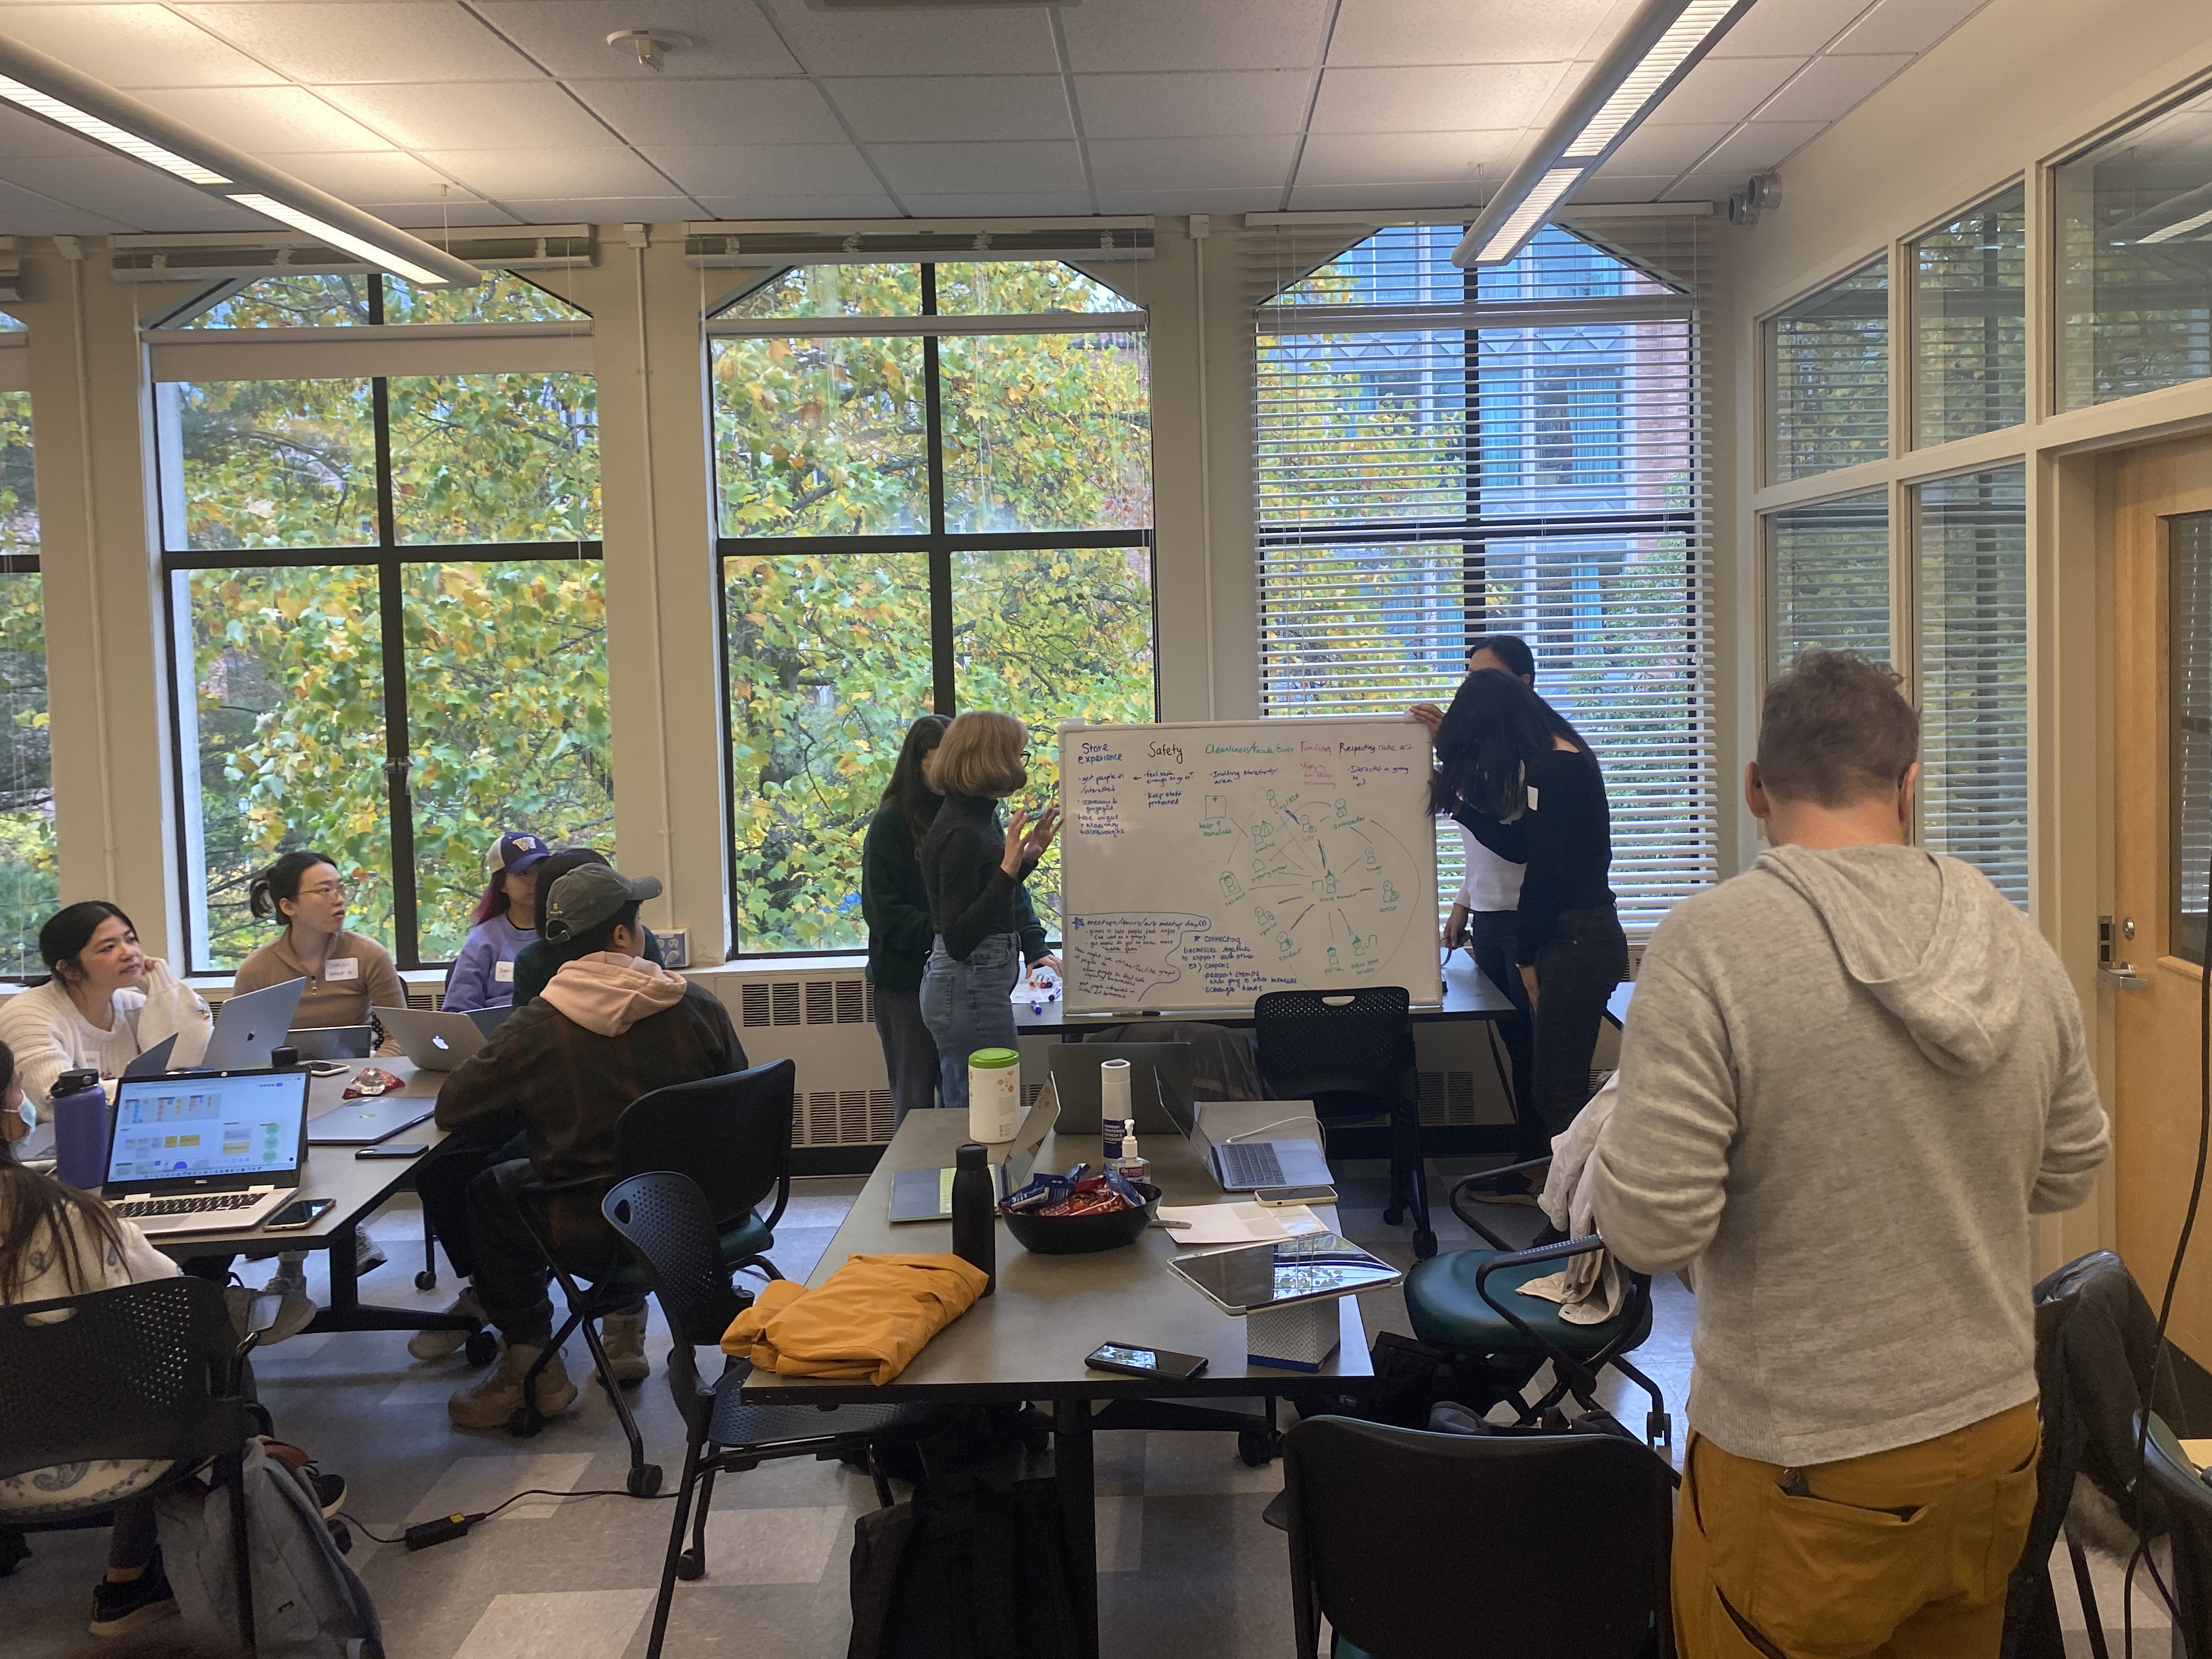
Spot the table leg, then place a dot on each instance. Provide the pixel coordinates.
(347, 1312)
(1078, 1515)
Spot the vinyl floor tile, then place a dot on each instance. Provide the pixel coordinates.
(774, 1547)
(565, 1625)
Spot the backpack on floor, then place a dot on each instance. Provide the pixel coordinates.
(307, 1603)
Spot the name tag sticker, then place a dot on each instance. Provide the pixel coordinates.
(339, 968)
(503, 973)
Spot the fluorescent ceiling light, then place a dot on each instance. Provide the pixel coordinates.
(1661, 43)
(107, 132)
(336, 238)
(1698, 20)
(2182, 228)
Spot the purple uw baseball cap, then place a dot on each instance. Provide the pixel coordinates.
(514, 854)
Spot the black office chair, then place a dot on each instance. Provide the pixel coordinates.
(669, 1226)
(151, 1372)
(1352, 1054)
(1420, 1545)
(732, 1136)
(2182, 1506)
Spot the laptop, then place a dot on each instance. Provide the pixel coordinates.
(1157, 1071)
(249, 1025)
(365, 1122)
(435, 1042)
(156, 1060)
(332, 1041)
(215, 1152)
(490, 1019)
(926, 1195)
(1245, 1164)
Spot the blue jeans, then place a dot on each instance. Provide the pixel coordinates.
(968, 1005)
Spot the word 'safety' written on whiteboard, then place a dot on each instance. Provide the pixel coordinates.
(1205, 864)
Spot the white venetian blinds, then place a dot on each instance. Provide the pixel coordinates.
(1442, 454)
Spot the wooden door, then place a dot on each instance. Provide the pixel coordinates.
(2156, 503)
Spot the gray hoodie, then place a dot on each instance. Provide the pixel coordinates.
(1848, 1078)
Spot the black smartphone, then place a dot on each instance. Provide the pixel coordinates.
(1279, 1197)
(1133, 1361)
(394, 1149)
(299, 1213)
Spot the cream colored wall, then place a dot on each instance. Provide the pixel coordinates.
(2017, 89)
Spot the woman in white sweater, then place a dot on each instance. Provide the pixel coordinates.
(106, 1003)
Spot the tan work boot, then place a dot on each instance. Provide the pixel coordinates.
(487, 1402)
(623, 1336)
(436, 1344)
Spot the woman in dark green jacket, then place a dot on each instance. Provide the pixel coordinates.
(897, 908)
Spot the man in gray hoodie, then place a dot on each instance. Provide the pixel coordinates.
(1851, 1075)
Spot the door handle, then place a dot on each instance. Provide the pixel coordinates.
(2123, 977)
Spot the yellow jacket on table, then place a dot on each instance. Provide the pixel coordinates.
(869, 1319)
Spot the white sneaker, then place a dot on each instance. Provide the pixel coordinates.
(290, 1278)
(367, 1254)
(487, 1402)
(623, 1336)
(436, 1344)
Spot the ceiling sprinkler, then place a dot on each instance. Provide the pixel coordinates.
(651, 45)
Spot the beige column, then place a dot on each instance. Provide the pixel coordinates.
(106, 656)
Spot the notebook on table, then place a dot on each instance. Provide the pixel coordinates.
(211, 1152)
(926, 1195)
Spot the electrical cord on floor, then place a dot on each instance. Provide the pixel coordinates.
(446, 1527)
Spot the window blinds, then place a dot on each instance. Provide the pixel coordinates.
(1971, 533)
(1441, 454)
(1828, 386)
(1827, 580)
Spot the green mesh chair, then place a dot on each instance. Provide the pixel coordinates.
(1465, 1302)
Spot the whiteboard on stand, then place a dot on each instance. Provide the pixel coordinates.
(1205, 864)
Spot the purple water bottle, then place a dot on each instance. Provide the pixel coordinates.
(80, 1108)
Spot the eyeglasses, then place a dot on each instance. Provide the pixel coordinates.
(326, 889)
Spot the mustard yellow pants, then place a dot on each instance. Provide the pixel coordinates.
(1901, 1554)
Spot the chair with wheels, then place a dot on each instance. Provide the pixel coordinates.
(1352, 1054)
(150, 1374)
(669, 1225)
(1420, 1546)
(1465, 1302)
(732, 1135)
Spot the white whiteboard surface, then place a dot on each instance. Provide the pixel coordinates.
(1205, 864)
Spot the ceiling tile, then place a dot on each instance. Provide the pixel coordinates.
(1422, 32)
(929, 42)
(570, 37)
(1832, 87)
(27, 135)
(767, 169)
(26, 213)
(1127, 164)
(1653, 148)
(1190, 201)
(364, 40)
(135, 46)
(428, 219)
(1054, 202)
(117, 188)
(1779, 29)
(604, 209)
(1705, 187)
(1430, 99)
(474, 117)
(789, 111)
(1912, 25)
(375, 176)
(258, 119)
(509, 174)
(1430, 194)
(1609, 187)
(1761, 145)
(918, 108)
(1725, 88)
(796, 206)
(1175, 34)
(969, 168)
(1372, 157)
(1197, 104)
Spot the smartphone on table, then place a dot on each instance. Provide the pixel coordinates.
(395, 1149)
(300, 1213)
(1276, 1198)
(1133, 1361)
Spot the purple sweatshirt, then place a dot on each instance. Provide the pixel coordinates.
(483, 974)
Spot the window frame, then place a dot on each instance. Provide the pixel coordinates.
(940, 545)
(389, 558)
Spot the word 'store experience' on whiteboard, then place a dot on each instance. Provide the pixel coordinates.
(1206, 864)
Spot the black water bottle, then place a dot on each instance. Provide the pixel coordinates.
(975, 1235)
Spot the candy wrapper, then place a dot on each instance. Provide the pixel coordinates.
(370, 1081)
(1064, 1195)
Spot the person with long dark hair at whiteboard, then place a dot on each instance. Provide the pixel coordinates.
(1521, 779)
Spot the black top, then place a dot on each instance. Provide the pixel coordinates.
(1566, 838)
(896, 902)
(970, 897)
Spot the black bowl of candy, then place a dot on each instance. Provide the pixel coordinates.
(1090, 1228)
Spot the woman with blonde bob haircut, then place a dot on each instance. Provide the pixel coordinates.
(972, 871)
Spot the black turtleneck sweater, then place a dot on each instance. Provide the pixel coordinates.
(970, 896)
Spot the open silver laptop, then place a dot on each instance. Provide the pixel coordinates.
(434, 1042)
(249, 1025)
(1244, 1163)
(1158, 1072)
(211, 1152)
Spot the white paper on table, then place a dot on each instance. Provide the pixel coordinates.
(1239, 1224)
